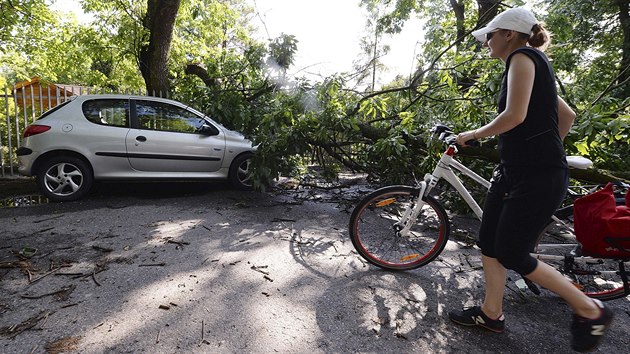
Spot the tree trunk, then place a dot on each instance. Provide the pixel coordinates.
(153, 56)
(592, 175)
(487, 10)
(624, 69)
(458, 9)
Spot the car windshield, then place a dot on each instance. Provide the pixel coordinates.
(207, 117)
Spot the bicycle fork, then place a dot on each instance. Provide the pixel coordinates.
(411, 213)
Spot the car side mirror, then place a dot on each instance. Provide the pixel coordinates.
(209, 130)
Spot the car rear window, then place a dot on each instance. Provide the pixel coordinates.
(112, 112)
(56, 108)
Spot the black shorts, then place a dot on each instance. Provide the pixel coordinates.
(519, 204)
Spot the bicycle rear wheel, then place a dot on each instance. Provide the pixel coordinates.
(375, 227)
(599, 278)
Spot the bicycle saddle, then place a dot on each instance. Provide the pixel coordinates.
(579, 162)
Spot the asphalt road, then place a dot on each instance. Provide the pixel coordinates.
(199, 268)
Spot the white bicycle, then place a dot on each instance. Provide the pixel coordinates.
(403, 227)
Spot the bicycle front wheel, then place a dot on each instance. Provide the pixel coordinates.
(375, 229)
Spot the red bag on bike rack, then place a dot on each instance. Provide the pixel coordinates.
(602, 227)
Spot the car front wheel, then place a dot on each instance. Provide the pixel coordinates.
(240, 173)
(64, 178)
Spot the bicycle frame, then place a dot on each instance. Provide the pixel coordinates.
(444, 170)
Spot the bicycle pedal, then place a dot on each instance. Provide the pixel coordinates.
(523, 284)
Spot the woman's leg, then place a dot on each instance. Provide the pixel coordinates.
(495, 277)
(490, 314)
(494, 272)
(550, 278)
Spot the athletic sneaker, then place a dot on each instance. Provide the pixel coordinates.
(587, 333)
(473, 316)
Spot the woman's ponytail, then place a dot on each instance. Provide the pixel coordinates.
(540, 37)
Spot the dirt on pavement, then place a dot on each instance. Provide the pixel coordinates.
(200, 268)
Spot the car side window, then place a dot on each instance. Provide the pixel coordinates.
(167, 117)
(113, 112)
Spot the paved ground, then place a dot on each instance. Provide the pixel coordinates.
(200, 268)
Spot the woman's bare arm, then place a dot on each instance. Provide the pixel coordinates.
(566, 116)
(520, 84)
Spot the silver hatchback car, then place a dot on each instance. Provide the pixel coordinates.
(122, 137)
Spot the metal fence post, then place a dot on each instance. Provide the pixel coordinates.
(41, 101)
(6, 104)
(32, 107)
(23, 110)
(17, 119)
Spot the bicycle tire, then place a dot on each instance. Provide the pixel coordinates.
(596, 277)
(375, 234)
(591, 279)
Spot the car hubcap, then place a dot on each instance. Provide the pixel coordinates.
(243, 173)
(63, 179)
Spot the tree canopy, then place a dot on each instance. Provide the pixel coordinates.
(204, 52)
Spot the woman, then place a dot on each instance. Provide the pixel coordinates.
(531, 181)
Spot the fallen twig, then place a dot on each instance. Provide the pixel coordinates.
(46, 274)
(152, 265)
(326, 188)
(12, 264)
(63, 345)
(71, 274)
(103, 249)
(66, 289)
(13, 331)
(94, 277)
(180, 243)
(203, 340)
(45, 254)
(69, 305)
(259, 270)
(332, 243)
(44, 230)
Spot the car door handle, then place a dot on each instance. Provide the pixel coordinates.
(141, 138)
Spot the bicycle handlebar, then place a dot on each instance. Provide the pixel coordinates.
(446, 135)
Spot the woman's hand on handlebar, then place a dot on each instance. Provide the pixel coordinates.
(466, 138)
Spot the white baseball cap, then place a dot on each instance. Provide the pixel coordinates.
(517, 19)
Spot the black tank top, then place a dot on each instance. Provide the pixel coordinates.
(536, 141)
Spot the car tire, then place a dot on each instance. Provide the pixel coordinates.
(239, 174)
(64, 178)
